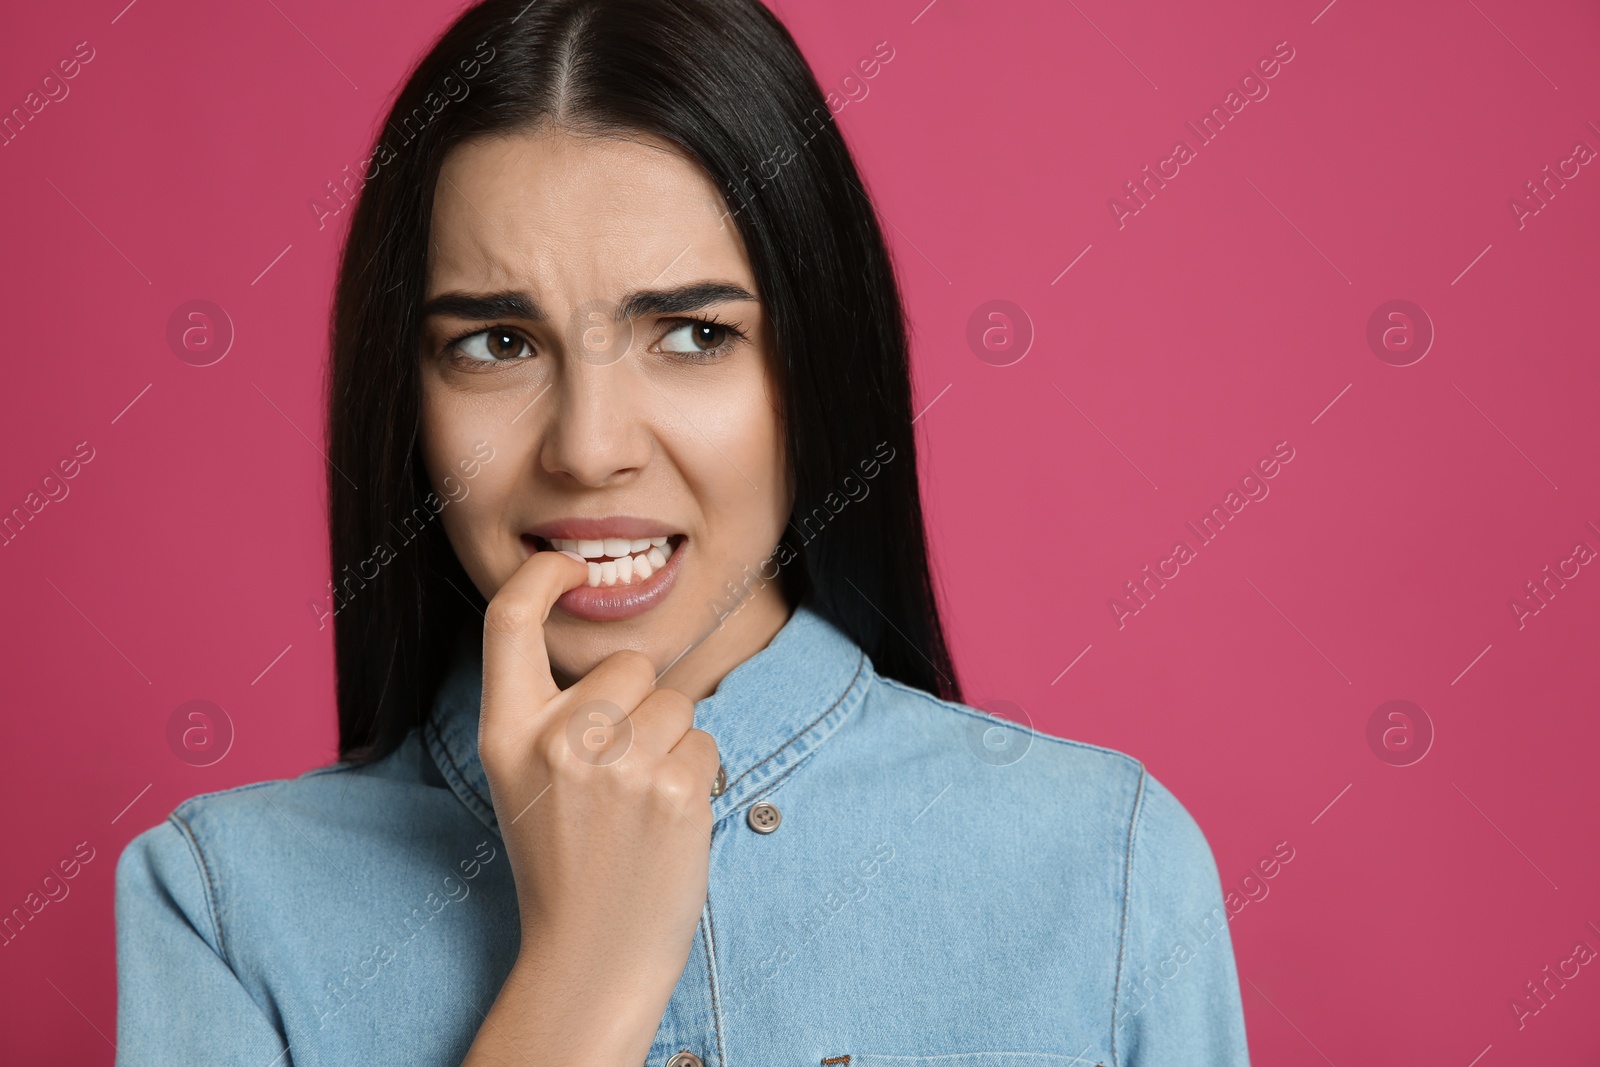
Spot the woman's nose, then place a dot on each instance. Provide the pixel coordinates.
(597, 431)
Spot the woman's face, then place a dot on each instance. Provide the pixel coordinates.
(592, 326)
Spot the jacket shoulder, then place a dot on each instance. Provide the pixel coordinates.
(1046, 771)
(203, 814)
(1000, 740)
(323, 803)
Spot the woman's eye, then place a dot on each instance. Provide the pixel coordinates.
(490, 346)
(696, 338)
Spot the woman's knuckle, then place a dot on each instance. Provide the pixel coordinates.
(674, 708)
(707, 742)
(509, 614)
(553, 748)
(676, 781)
(632, 664)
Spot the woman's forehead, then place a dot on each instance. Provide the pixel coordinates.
(556, 211)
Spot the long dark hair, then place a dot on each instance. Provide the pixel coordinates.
(724, 81)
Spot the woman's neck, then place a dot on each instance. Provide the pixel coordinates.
(739, 634)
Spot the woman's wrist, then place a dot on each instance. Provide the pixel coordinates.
(562, 1003)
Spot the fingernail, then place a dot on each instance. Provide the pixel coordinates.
(574, 555)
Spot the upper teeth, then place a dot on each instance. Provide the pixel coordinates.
(615, 547)
(631, 561)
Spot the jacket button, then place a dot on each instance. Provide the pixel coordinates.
(764, 818)
(684, 1059)
(719, 786)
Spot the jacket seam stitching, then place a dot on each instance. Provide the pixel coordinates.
(860, 662)
(213, 906)
(711, 980)
(454, 768)
(1127, 892)
(770, 787)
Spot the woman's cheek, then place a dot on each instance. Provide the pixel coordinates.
(751, 427)
(473, 524)
(460, 531)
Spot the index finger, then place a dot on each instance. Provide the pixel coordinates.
(516, 668)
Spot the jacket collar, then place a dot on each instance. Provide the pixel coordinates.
(767, 714)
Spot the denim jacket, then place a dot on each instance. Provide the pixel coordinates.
(943, 889)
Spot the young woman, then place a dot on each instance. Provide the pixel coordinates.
(651, 747)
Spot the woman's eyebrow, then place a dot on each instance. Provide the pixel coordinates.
(502, 305)
(679, 300)
(514, 305)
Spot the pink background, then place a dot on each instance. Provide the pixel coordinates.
(1228, 315)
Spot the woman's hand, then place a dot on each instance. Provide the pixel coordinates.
(603, 795)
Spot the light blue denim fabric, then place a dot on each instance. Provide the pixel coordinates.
(944, 890)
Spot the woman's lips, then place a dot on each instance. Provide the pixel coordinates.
(622, 582)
